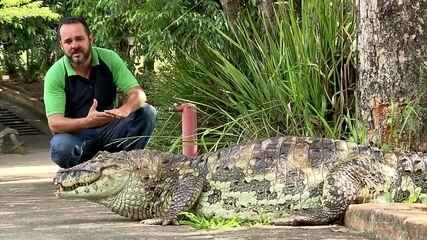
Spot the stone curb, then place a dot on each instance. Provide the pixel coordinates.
(391, 221)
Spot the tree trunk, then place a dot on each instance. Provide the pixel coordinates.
(231, 9)
(392, 44)
(266, 10)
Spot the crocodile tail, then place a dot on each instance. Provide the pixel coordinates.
(341, 187)
(308, 217)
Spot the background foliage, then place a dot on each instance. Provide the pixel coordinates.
(289, 80)
(26, 39)
(250, 79)
(156, 28)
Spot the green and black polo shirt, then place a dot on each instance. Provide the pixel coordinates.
(70, 94)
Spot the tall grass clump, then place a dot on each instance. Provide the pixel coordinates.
(290, 78)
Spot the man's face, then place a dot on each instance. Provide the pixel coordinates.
(75, 42)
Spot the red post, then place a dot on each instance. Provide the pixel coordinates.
(189, 128)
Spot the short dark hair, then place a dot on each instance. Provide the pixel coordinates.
(70, 20)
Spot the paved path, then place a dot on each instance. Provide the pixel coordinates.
(29, 210)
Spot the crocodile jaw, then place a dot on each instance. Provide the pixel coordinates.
(92, 186)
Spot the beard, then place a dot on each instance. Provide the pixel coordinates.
(79, 56)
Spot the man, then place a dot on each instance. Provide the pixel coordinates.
(80, 100)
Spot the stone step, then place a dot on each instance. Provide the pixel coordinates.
(391, 221)
(10, 119)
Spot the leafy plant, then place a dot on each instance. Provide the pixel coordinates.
(414, 196)
(356, 130)
(255, 83)
(14, 11)
(403, 123)
(25, 42)
(150, 30)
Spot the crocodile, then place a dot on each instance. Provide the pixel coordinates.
(289, 180)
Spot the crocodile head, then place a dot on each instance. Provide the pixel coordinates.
(101, 177)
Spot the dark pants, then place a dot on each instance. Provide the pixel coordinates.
(130, 133)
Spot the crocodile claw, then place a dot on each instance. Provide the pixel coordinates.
(170, 222)
(152, 221)
(159, 221)
(308, 217)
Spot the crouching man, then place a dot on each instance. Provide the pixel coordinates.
(80, 100)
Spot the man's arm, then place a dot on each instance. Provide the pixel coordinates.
(60, 124)
(136, 99)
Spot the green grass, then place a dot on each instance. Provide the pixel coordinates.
(202, 222)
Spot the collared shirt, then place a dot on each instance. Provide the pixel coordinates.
(70, 94)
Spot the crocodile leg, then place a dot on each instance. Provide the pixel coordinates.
(341, 188)
(184, 195)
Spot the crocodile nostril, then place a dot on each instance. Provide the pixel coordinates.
(419, 171)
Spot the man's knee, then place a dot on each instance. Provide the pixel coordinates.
(149, 113)
(147, 116)
(65, 150)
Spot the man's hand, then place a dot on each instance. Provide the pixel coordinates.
(136, 99)
(95, 118)
(118, 112)
(60, 124)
